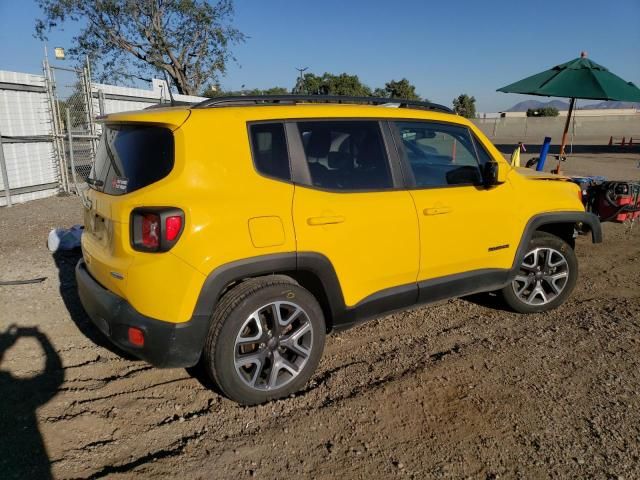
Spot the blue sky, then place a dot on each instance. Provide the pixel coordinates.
(444, 47)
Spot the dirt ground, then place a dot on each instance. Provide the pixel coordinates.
(461, 389)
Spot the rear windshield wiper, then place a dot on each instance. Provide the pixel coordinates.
(95, 182)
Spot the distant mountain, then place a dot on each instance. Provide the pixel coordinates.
(527, 104)
(608, 104)
(561, 105)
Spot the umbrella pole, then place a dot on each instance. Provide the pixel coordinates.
(564, 135)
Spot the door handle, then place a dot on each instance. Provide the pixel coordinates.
(436, 210)
(313, 221)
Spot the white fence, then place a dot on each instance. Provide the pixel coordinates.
(34, 164)
(25, 125)
(588, 130)
(121, 99)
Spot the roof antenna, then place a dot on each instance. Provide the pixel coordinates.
(166, 80)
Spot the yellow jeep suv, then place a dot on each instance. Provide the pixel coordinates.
(239, 231)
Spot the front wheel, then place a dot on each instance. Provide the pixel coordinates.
(265, 341)
(546, 275)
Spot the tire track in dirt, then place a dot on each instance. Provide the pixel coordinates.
(124, 392)
(174, 450)
(100, 382)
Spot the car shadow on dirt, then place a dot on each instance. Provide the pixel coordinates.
(491, 300)
(66, 262)
(199, 373)
(23, 453)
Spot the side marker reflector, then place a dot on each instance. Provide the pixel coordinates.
(136, 336)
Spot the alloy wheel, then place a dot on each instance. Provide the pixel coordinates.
(273, 345)
(543, 275)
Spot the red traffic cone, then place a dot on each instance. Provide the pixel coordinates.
(611, 141)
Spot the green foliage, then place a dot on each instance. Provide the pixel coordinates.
(76, 103)
(398, 89)
(330, 84)
(345, 84)
(465, 106)
(543, 112)
(273, 91)
(188, 39)
(216, 91)
(307, 84)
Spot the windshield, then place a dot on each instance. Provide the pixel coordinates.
(131, 157)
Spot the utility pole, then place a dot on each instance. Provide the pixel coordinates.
(300, 79)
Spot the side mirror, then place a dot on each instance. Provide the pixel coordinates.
(494, 173)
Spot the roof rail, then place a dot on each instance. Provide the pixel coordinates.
(242, 100)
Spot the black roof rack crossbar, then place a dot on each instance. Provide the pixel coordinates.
(240, 100)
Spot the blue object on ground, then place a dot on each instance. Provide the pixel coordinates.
(543, 153)
(64, 239)
(590, 180)
(587, 182)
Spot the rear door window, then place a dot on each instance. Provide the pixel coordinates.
(346, 155)
(131, 157)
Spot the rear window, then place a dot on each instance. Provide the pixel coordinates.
(131, 157)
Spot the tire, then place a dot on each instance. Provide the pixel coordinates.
(251, 357)
(540, 285)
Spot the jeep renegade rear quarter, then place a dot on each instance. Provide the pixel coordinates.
(238, 235)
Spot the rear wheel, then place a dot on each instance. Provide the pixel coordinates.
(546, 276)
(265, 340)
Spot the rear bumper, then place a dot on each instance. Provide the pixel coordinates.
(166, 344)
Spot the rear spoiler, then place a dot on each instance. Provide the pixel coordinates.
(170, 117)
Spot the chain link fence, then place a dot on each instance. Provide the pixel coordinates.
(48, 130)
(75, 130)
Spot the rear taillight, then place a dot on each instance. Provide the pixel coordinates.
(150, 230)
(156, 229)
(173, 227)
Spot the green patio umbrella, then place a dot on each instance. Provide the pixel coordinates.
(578, 78)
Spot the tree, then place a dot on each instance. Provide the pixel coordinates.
(308, 84)
(187, 39)
(543, 112)
(216, 91)
(274, 91)
(330, 84)
(345, 84)
(398, 89)
(465, 106)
